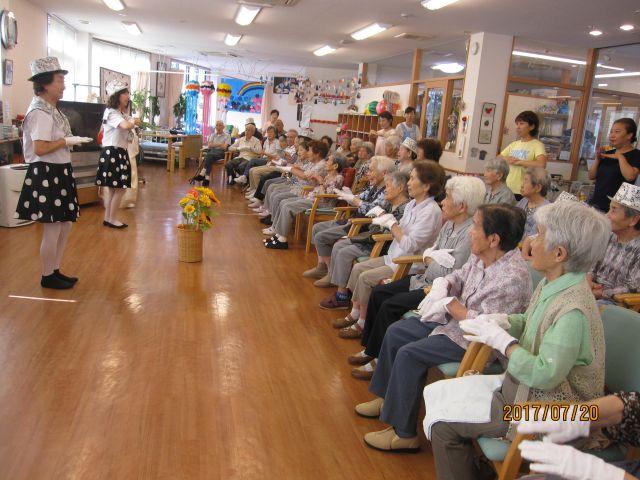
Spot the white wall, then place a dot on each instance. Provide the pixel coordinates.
(375, 93)
(32, 44)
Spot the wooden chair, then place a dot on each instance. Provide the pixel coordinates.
(628, 300)
(189, 147)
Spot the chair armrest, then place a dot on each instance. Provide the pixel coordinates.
(382, 237)
(408, 259)
(628, 300)
(343, 213)
(404, 266)
(513, 461)
(326, 195)
(345, 209)
(356, 225)
(360, 221)
(307, 188)
(380, 240)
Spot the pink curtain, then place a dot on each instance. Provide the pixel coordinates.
(266, 102)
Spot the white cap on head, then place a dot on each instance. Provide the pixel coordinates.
(115, 86)
(45, 65)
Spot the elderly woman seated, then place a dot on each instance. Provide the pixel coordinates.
(284, 216)
(535, 186)
(496, 171)
(347, 250)
(326, 234)
(619, 271)
(392, 146)
(352, 155)
(429, 149)
(555, 349)
(365, 153)
(494, 278)
(416, 230)
(389, 302)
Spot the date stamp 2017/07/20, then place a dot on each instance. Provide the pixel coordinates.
(554, 412)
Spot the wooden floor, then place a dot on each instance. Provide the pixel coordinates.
(153, 369)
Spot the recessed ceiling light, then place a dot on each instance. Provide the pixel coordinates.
(453, 67)
(84, 22)
(116, 5)
(246, 14)
(132, 28)
(595, 32)
(436, 4)
(626, 27)
(603, 84)
(232, 40)
(327, 49)
(369, 31)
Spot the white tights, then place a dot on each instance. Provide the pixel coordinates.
(54, 239)
(112, 199)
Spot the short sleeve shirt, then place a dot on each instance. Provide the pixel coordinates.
(39, 125)
(609, 178)
(527, 151)
(114, 136)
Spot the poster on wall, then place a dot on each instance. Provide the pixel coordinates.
(161, 79)
(486, 123)
(284, 85)
(106, 76)
(244, 96)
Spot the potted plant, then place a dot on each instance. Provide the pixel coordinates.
(139, 102)
(179, 109)
(197, 212)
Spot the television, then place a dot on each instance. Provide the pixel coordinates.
(85, 120)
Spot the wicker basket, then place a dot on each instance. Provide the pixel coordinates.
(189, 245)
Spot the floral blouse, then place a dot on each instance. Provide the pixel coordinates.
(627, 431)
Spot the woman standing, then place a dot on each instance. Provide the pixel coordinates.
(385, 121)
(408, 129)
(114, 168)
(49, 190)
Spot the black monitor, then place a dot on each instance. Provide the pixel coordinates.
(85, 120)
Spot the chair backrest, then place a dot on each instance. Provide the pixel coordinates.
(349, 175)
(621, 332)
(536, 276)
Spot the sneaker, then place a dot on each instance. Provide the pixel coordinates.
(268, 231)
(332, 303)
(256, 206)
(242, 179)
(370, 409)
(318, 271)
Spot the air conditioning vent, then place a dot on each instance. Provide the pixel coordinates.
(415, 37)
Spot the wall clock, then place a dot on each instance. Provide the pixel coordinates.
(8, 29)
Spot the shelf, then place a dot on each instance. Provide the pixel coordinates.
(9, 140)
(554, 115)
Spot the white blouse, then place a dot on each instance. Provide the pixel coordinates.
(114, 136)
(39, 125)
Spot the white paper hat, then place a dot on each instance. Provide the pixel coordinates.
(628, 195)
(45, 65)
(114, 86)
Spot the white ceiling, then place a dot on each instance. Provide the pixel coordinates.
(286, 36)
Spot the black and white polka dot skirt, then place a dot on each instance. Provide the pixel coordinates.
(114, 168)
(48, 194)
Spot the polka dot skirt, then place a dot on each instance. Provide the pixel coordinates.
(114, 169)
(48, 194)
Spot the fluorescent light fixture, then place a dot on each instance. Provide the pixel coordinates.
(246, 14)
(609, 67)
(436, 4)
(448, 67)
(327, 49)
(132, 28)
(518, 53)
(595, 32)
(616, 75)
(369, 31)
(626, 27)
(232, 40)
(116, 5)
(603, 84)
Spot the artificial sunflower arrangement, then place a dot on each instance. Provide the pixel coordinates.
(197, 209)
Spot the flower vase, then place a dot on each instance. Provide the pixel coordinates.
(189, 244)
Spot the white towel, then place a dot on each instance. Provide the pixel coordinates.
(464, 400)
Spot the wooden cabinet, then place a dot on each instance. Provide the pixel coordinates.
(359, 125)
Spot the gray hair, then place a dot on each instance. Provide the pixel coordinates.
(368, 146)
(394, 140)
(383, 164)
(498, 165)
(582, 230)
(539, 176)
(357, 141)
(401, 178)
(468, 190)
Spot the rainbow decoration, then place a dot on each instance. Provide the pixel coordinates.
(242, 96)
(191, 115)
(206, 89)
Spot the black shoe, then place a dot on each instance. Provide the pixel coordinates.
(198, 178)
(64, 277)
(266, 220)
(277, 245)
(111, 225)
(205, 183)
(55, 282)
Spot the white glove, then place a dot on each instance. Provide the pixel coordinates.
(285, 169)
(441, 257)
(560, 431)
(439, 290)
(386, 221)
(71, 141)
(375, 212)
(567, 462)
(500, 319)
(437, 307)
(346, 196)
(485, 331)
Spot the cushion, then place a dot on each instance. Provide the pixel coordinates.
(153, 146)
(349, 175)
(493, 448)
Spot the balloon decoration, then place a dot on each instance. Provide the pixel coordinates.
(224, 92)
(191, 114)
(371, 107)
(381, 107)
(206, 89)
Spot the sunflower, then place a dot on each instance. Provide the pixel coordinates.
(183, 201)
(189, 209)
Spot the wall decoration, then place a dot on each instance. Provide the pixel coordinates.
(340, 91)
(486, 123)
(106, 76)
(191, 115)
(206, 89)
(161, 79)
(244, 96)
(8, 29)
(224, 92)
(7, 72)
(284, 85)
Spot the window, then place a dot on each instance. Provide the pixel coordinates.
(61, 43)
(199, 74)
(395, 69)
(121, 59)
(536, 60)
(445, 60)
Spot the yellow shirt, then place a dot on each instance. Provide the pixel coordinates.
(528, 151)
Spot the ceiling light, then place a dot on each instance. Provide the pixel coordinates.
(448, 67)
(626, 27)
(369, 31)
(324, 51)
(518, 53)
(615, 75)
(132, 28)
(232, 40)
(436, 4)
(609, 67)
(116, 5)
(246, 14)
(603, 84)
(595, 32)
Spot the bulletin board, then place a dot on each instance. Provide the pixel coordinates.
(106, 76)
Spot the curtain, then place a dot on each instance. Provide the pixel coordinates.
(140, 81)
(175, 83)
(266, 102)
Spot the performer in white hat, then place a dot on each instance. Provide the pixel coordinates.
(114, 168)
(49, 190)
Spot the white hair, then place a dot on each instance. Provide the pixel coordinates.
(582, 230)
(394, 140)
(383, 164)
(468, 190)
(357, 141)
(498, 165)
